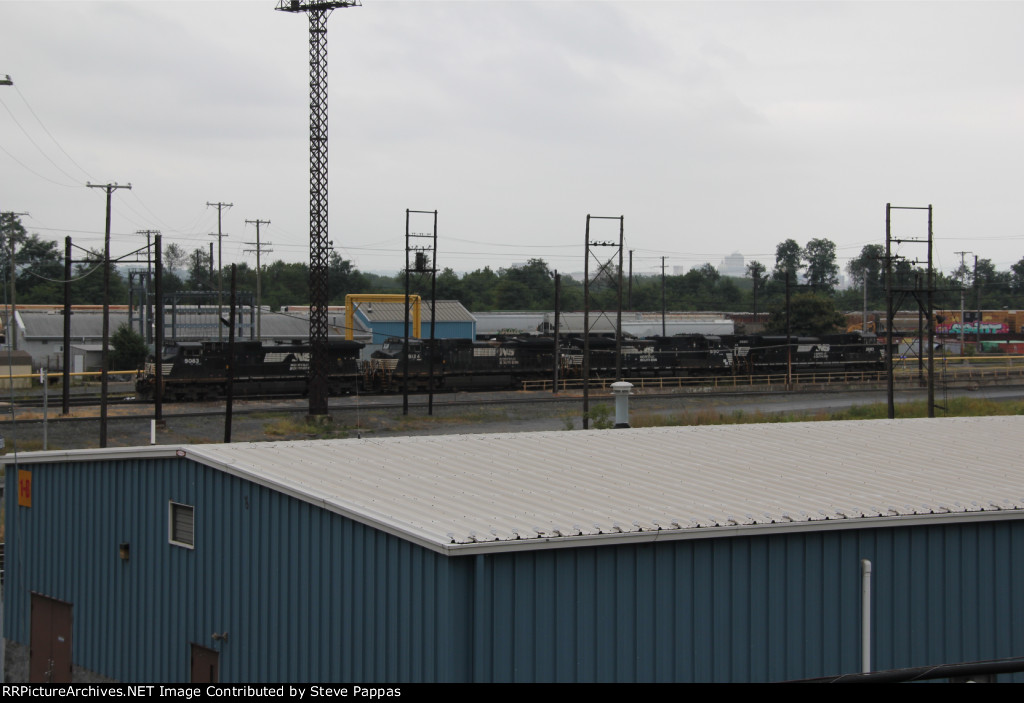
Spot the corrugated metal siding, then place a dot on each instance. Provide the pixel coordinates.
(442, 330)
(50, 325)
(304, 594)
(388, 320)
(749, 609)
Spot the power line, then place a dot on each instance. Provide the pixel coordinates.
(36, 145)
(52, 138)
(36, 173)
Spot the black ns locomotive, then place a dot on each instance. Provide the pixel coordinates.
(198, 370)
(460, 364)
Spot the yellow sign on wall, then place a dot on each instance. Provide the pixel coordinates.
(24, 488)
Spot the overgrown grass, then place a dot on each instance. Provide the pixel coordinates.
(24, 445)
(289, 427)
(269, 415)
(956, 407)
(418, 421)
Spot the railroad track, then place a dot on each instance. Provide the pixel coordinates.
(726, 385)
(75, 401)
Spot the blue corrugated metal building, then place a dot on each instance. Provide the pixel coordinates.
(388, 320)
(673, 554)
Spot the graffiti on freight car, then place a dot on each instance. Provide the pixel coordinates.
(972, 328)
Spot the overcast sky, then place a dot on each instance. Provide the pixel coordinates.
(712, 127)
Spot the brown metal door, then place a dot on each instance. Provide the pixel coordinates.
(49, 659)
(205, 665)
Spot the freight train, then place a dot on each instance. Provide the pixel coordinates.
(197, 371)
(504, 364)
(850, 351)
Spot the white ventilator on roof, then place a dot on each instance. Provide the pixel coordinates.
(459, 493)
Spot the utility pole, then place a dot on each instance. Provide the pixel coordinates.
(929, 304)
(105, 355)
(319, 246)
(230, 370)
(977, 302)
(963, 275)
(12, 323)
(259, 271)
(629, 294)
(789, 333)
(607, 268)
(864, 314)
(924, 303)
(220, 263)
(864, 290)
(756, 277)
(68, 357)
(66, 378)
(920, 330)
(149, 280)
(424, 261)
(6, 80)
(890, 370)
(558, 295)
(158, 334)
(663, 334)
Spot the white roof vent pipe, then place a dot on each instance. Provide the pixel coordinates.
(621, 391)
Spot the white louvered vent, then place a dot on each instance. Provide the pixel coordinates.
(181, 525)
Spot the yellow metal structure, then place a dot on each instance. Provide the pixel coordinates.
(352, 301)
(857, 326)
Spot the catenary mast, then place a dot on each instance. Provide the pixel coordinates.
(319, 245)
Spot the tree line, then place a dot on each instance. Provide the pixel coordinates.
(812, 271)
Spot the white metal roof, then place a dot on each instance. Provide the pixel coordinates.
(447, 311)
(49, 325)
(642, 324)
(458, 493)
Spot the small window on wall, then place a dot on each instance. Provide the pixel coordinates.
(181, 525)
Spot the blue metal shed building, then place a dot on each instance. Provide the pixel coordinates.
(729, 553)
(388, 320)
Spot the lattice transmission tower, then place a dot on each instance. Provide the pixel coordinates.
(319, 245)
